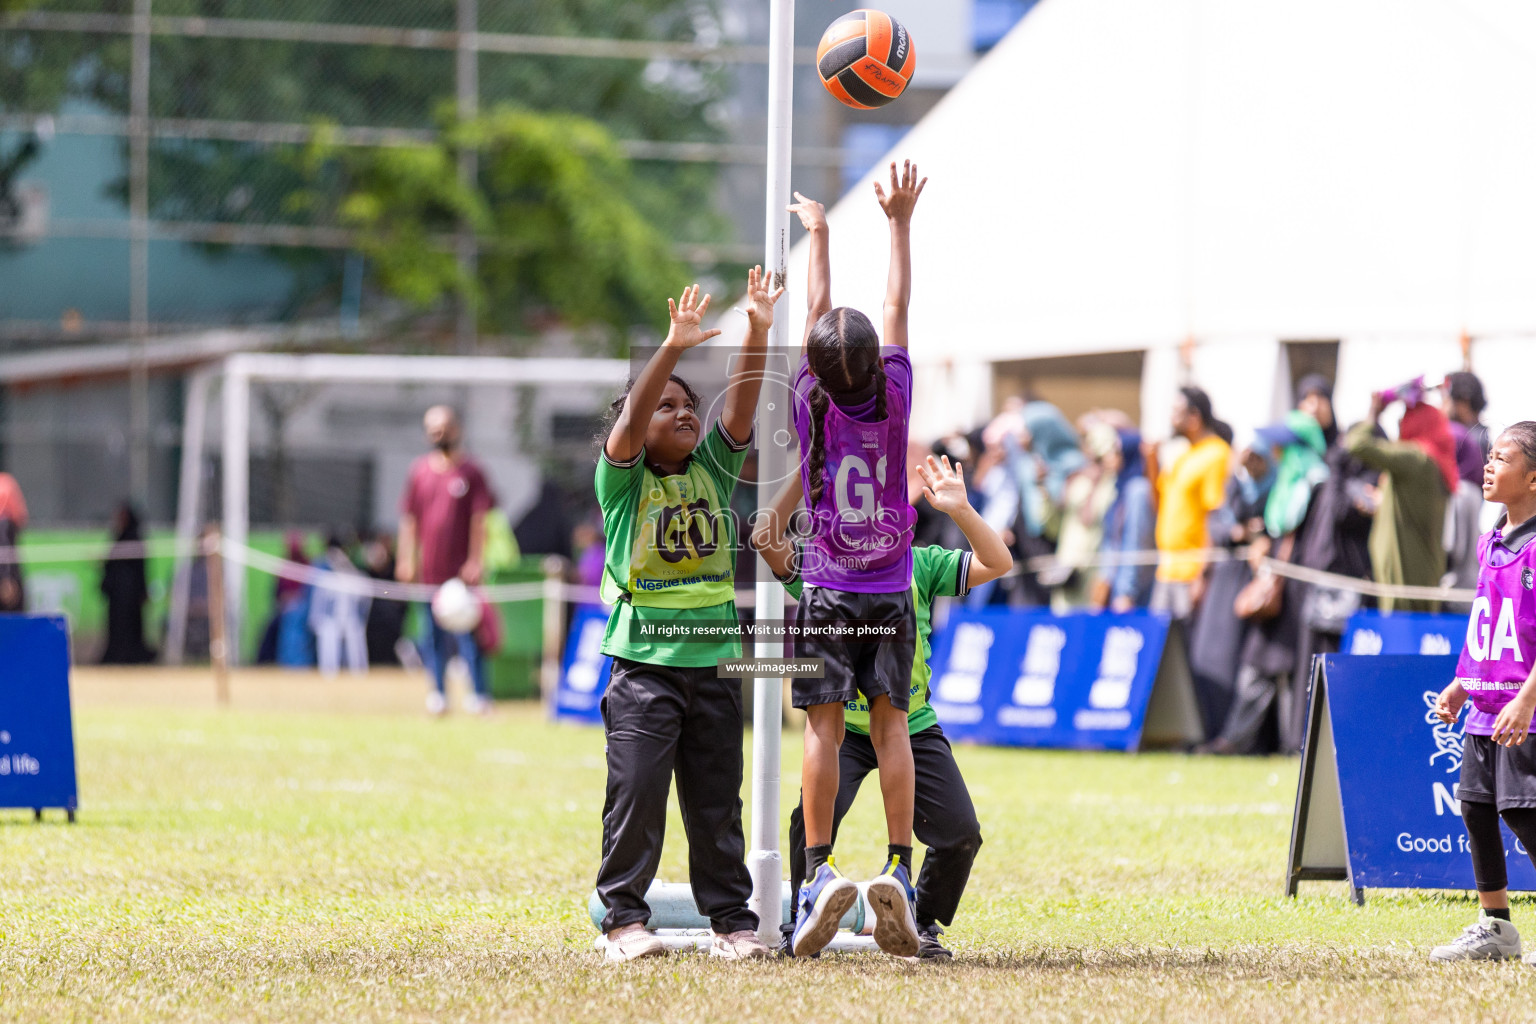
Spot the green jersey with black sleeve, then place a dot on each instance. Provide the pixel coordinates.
(671, 555)
(936, 572)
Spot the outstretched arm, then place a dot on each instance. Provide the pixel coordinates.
(898, 207)
(627, 438)
(770, 533)
(818, 289)
(944, 487)
(747, 377)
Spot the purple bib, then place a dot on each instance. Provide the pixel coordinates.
(861, 534)
(1501, 631)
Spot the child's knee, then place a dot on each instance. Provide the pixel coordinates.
(885, 720)
(825, 722)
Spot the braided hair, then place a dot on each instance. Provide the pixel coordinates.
(843, 352)
(1523, 435)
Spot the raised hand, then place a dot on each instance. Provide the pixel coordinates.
(688, 320)
(902, 200)
(943, 484)
(813, 216)
(760, 300)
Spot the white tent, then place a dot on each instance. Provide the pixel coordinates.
(1120, 175)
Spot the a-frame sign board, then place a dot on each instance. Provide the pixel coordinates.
(1377, 805)
(1319, 852)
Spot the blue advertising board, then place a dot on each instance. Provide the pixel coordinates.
(584, 674)
(37, 741)
(1377, 801)
(1404, 633)
(1030, 678)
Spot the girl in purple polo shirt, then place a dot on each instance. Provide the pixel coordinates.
(853, 401)
(1497, 672)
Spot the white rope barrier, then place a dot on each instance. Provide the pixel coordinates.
(1402, 591)
(1317, 577)
(366, 586)
(390, 590)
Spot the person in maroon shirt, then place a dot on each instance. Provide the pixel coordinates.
(442, 536)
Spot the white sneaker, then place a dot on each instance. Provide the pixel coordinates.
(632, 942)
(437, 704)
(742, 945)
(1488, 939)
(475, 704)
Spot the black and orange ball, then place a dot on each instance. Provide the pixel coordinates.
(865, 59)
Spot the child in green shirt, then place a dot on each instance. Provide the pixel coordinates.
(664, 486)
(944, 818)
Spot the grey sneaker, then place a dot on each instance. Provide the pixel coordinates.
(1488, 939)
(632, 942)
(928, 945)
(742, 945)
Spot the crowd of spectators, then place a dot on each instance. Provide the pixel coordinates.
(1101, 518)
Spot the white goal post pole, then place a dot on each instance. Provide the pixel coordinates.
(763, 861)
(189, 511)
(236, 399)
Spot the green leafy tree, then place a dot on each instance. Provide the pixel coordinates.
(376, 86)
(561, 235)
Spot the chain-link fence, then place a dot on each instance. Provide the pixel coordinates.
(151, 151)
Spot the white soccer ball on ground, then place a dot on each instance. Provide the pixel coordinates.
(455, 608)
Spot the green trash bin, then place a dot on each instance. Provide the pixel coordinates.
(513, 674)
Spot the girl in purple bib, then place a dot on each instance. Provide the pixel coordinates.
(853, 401)
(1497, 672)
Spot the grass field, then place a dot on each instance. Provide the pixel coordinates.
(348, 859)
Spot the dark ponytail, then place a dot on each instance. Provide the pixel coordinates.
(878, 372)
(843, 352)
(816, 456)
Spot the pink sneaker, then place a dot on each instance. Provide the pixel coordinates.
(632, 942)
(742, 945)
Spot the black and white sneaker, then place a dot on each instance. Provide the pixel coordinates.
(928, 945)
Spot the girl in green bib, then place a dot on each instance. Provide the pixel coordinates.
(944, 817)
(664, 483)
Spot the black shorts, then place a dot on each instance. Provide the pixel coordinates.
(879, 668)
(1502, 776)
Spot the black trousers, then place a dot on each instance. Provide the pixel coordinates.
(660, 721)
(943, 818)
(1260, 705)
